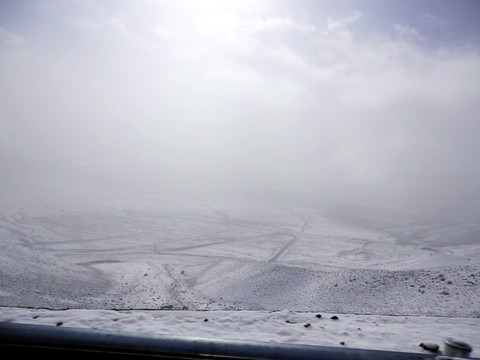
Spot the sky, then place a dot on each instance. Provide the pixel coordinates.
(373, 103)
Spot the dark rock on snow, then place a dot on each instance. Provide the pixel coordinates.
(429, 346)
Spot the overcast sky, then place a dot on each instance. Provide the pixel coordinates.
(368, 102)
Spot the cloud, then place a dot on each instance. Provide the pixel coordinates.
(10, 38)
(342, 23)
(117, 25)
(281, 24)
(406, 32)
(248, 99)
(433, 21)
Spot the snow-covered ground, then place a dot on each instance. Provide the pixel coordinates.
(376, 332)
(257, 270)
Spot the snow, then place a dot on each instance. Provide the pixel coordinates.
(257, 270)
(376, 332)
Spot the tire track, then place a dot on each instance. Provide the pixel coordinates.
(231, 240)
(283, 249)
(295, 237)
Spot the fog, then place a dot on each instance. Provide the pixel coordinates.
(347, 102)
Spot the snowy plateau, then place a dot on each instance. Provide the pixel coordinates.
(237, 268)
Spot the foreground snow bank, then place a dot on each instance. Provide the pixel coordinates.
(394, 333)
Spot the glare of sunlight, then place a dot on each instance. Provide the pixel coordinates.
(216, 22)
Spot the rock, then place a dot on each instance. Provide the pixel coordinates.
(429, 346)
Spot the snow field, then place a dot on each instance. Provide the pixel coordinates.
(151, 263)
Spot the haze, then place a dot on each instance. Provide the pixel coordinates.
(369, 103)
